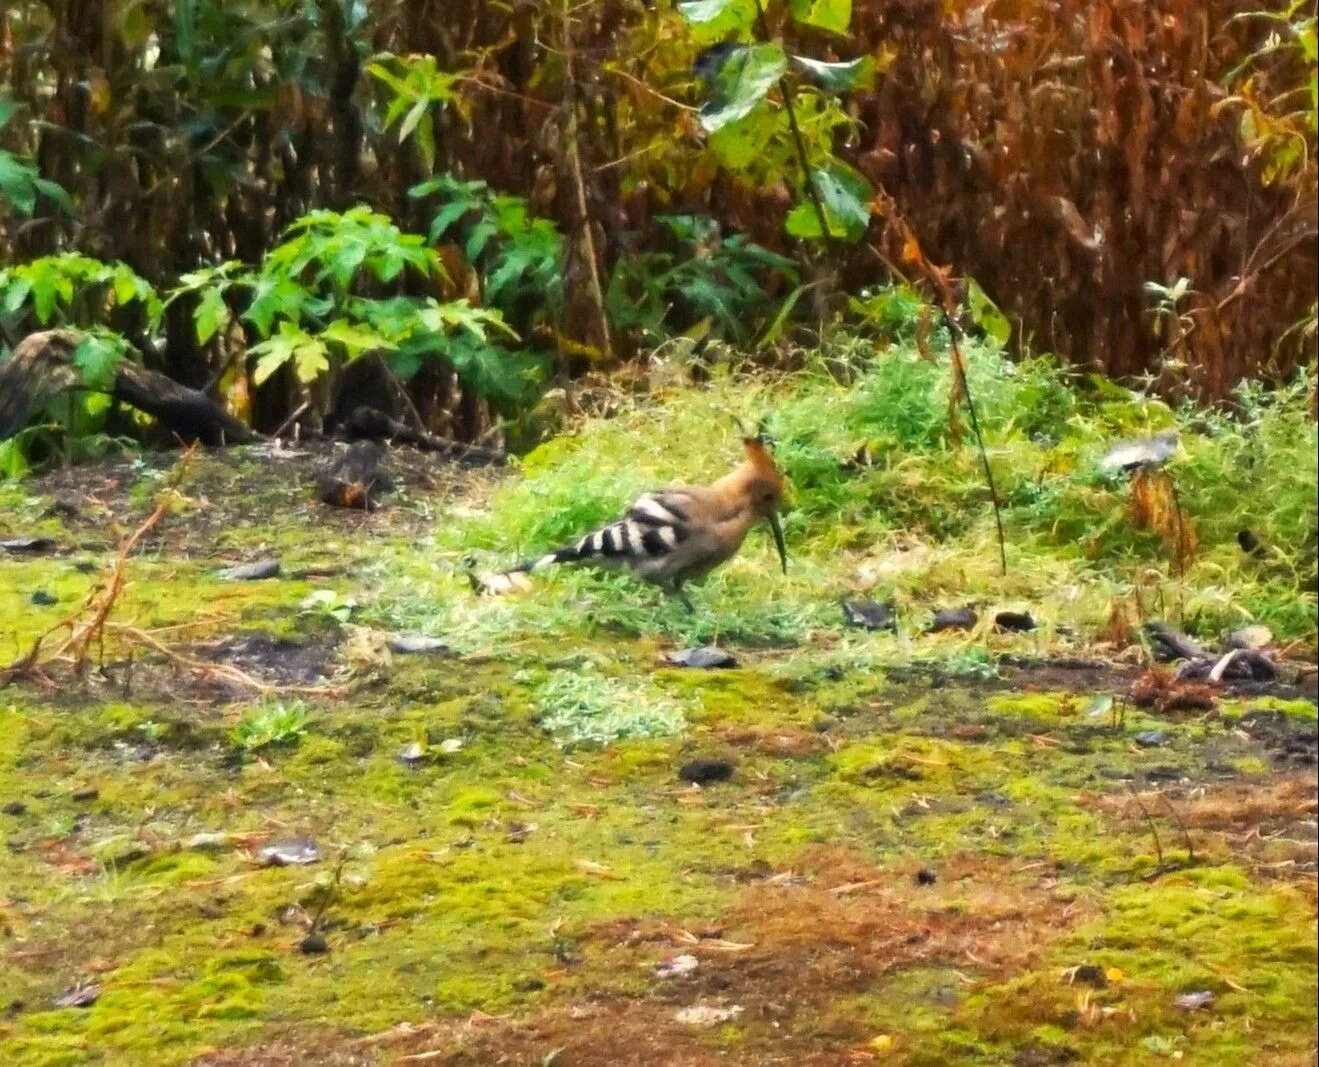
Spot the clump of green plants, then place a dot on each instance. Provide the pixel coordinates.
(270, 725)
(584, 707)
(888, 499)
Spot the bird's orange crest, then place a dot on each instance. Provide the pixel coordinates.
(759, 458)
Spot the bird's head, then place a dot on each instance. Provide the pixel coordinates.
(763, 487)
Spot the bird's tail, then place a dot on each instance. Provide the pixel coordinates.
(567, 554)
(513, 580)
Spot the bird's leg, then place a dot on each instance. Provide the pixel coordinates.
(686, 600)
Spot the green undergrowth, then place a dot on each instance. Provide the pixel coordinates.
(885, 502)
(507, 829)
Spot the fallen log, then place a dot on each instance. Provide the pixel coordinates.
(371, 424)
(41, 367)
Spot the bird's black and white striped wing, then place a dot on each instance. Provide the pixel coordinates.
(654, 526)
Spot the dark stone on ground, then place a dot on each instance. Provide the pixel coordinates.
(703, 771)
(1140, 452)
(1171, 644)
(413, 753)
(82, 995)
(1091, 974)
(925, 876)
(1287, 740)
(314, 945)
(1151, 739)
(869, 615)
(19, 546)
(254, 571)
(43, 599)
(298, 853)
(954, 619)
(14, 807)
(1250, 544)
(1014, 622)
(702, 659)
(1253, 638)
(416, 644)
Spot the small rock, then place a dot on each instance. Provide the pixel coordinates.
(43, 599)
(300, 853)
(869, 615)
(708, 1014)
(314, 945)
(1194, 1001)
(14, 807)
(1195, 670)
(1170, 644)
(1014, 622)
(418, 644)
(1091, 974)
(1140, 452)
(1244, 665)
(86, 794)
(413, 753)
(82, 995)
(253, 572)
(1151, 739)
(450, 745)
(701, 659)
(1250, 638)
(207, 841)
(678, 967)
(531, 984)
(1250, 544)
(19, 546)
(954, 619)
(925, 876)
(702, 771)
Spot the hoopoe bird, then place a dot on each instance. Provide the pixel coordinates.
(672, 536)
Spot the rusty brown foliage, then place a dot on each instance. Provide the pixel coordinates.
(1062, 152)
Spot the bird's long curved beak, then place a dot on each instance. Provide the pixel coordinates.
(777, 527)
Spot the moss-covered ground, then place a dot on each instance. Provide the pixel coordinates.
(932, 849)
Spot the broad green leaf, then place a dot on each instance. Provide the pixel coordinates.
(775, 328)
(845, 195)
(741, 143)
(125, 287)
(743, 82)
(15, 292)
(838, 77)
(413, 117)
(447, 216)
(718, 19)
(478, 239)
(268, 361)
(310, 360)
(703, 10)
(55, 193)
(426, 144)
(355, 339)
(211, 313)
(832, 15)
(9, 107)
(97, 358)
(17, 184)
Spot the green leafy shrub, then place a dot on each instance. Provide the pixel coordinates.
(270, 726)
